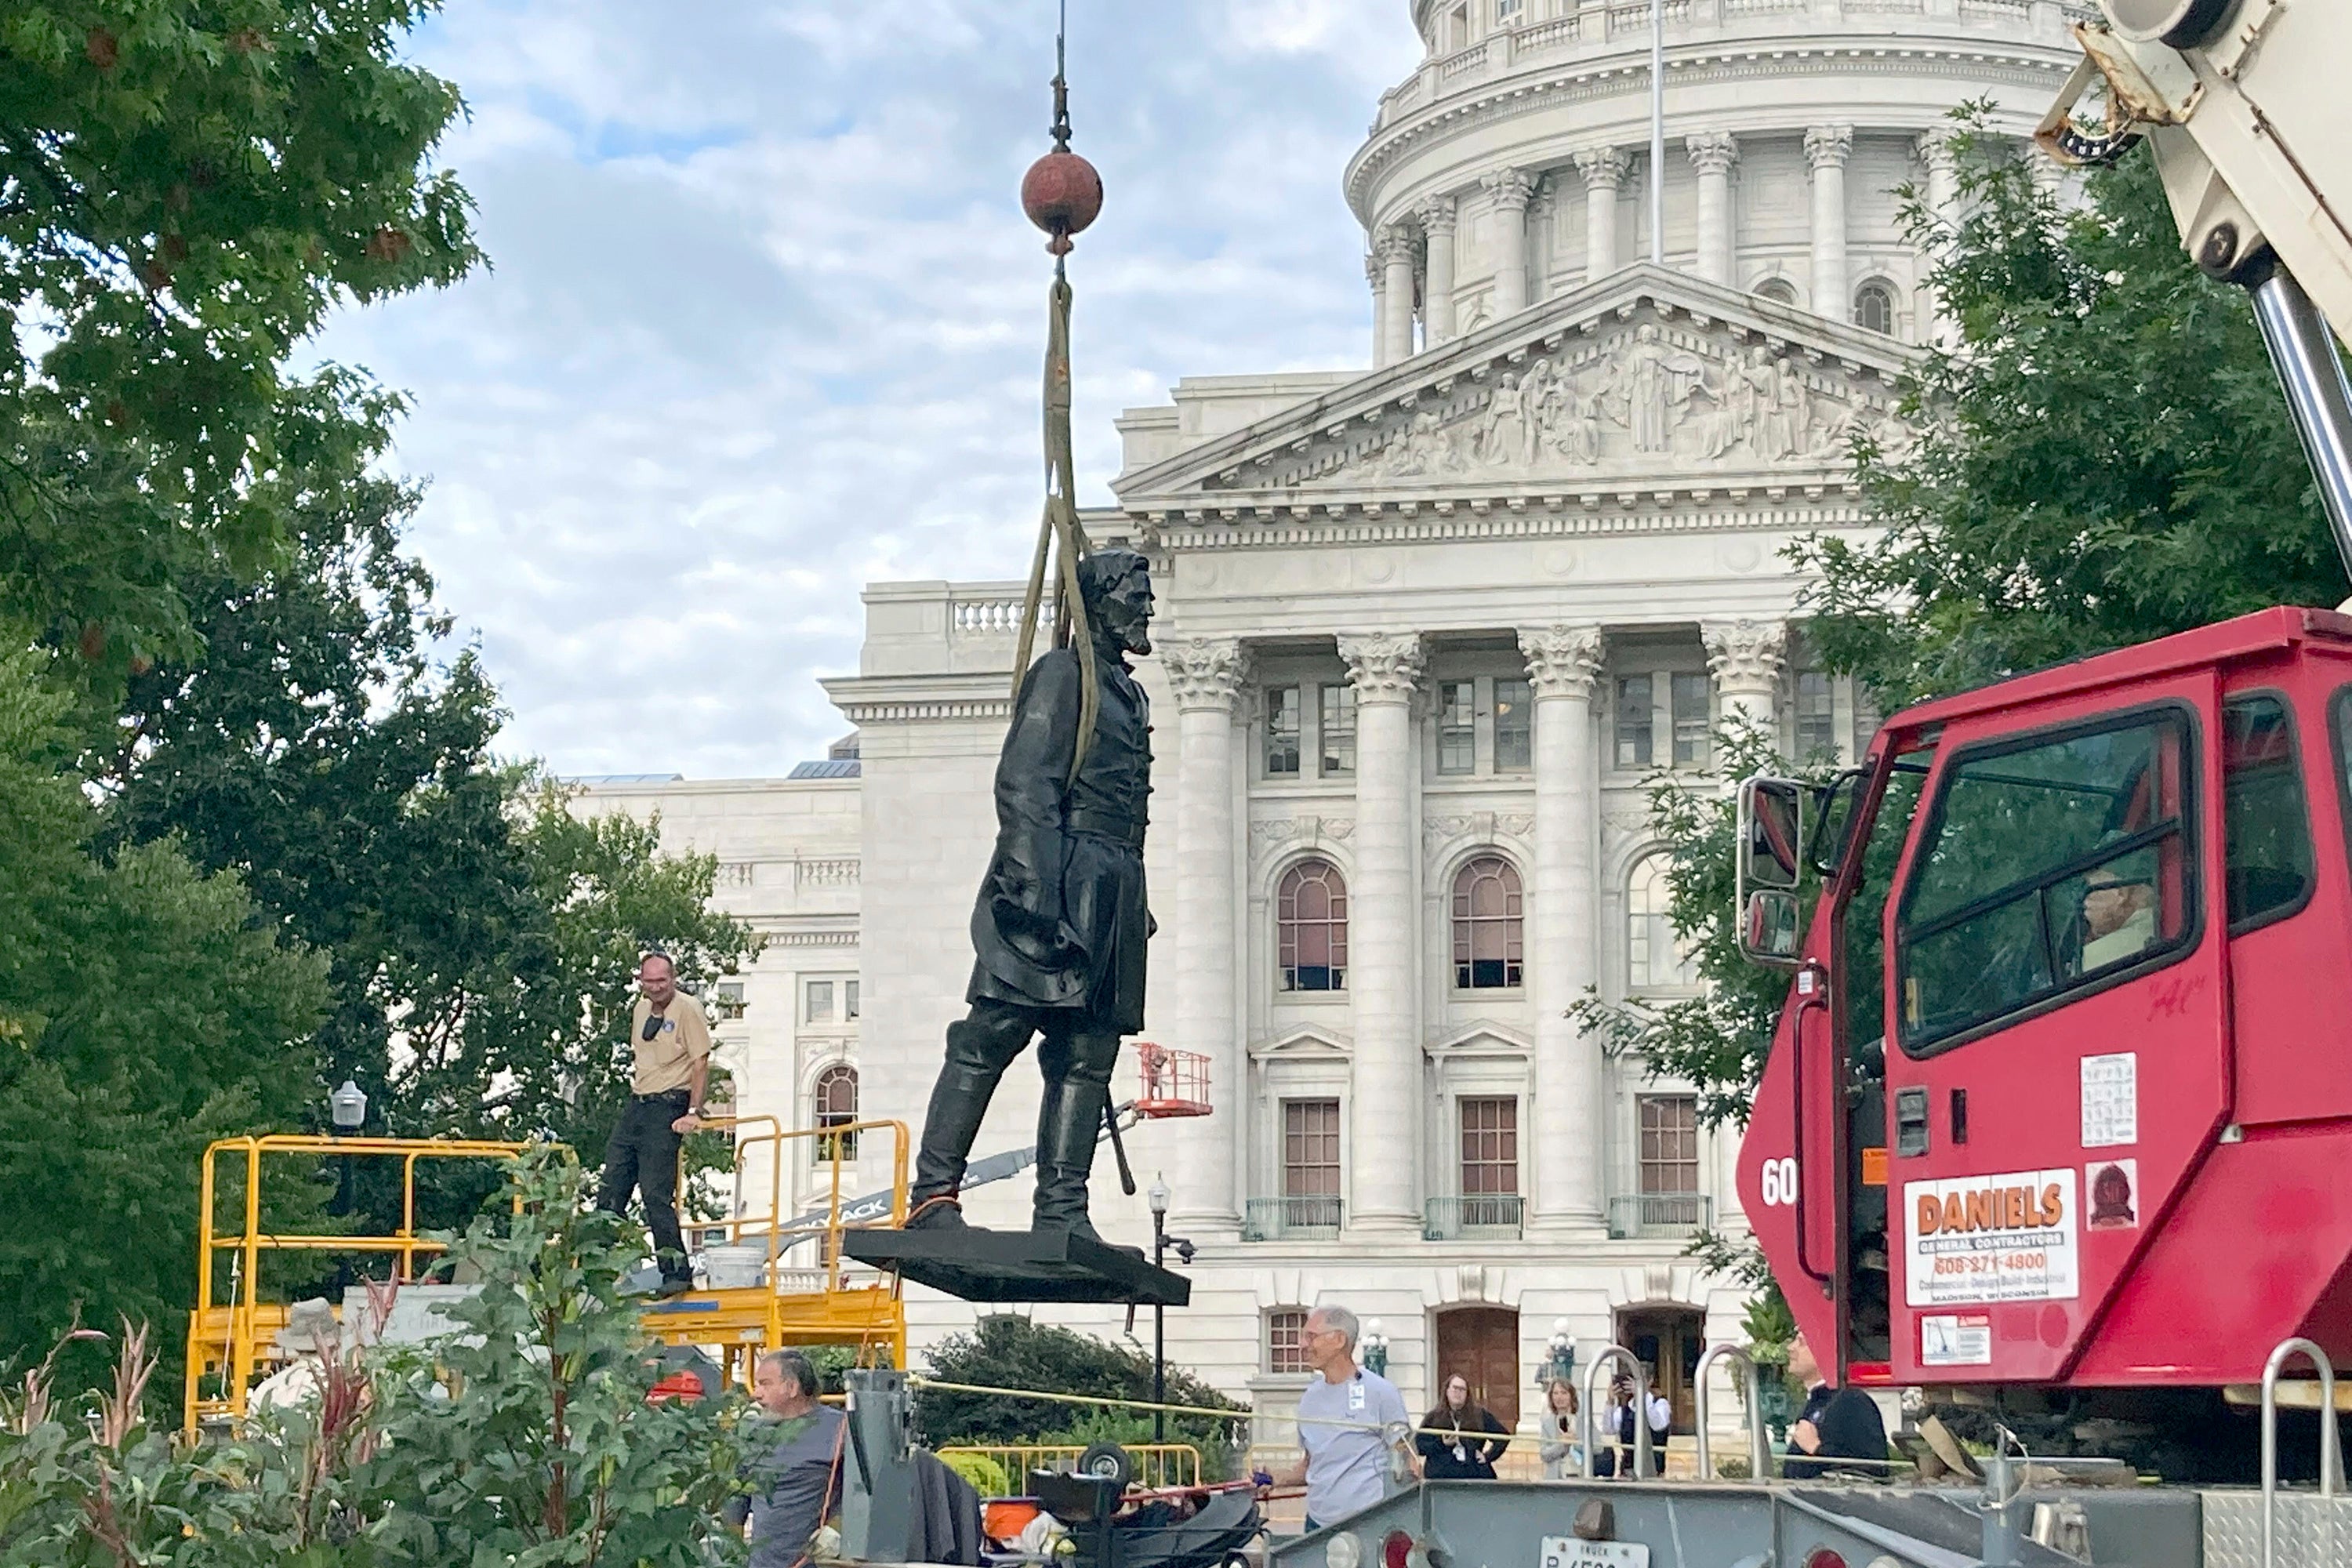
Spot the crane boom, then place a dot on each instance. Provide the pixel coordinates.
(2243, 104)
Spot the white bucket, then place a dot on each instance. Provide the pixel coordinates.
(735, 1267)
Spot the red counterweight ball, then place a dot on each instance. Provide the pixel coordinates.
(1062, 194)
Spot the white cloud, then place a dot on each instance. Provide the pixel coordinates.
(765, 321)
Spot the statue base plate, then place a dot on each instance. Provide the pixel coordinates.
(1018, 1266)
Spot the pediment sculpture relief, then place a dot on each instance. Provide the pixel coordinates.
(1647, 396)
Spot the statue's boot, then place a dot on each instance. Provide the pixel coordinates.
(1069, 1125)
(979, 1047)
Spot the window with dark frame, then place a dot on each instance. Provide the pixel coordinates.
(1310, 1162)
(1457, 726)
(1636, 716)
(2266, 828)
(1286, 1341)
(835, 1104)
(1311, 927)
(1669, 1144)
(1282, 732)
(1487, 925)
(1515, 726)
(849, 1001)
(1873, 307)
(1692, 703)
(1490, 1149)
(2048, 865)
(1337, 729)
(1816, 715)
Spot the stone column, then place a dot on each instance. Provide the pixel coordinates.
(1569, 1097)
(1604, 170)
(1746, 657)
(1437, 219)
(1375, 276)
(1383, 938)
(1826, 148)
(1396, 293)
(1944, 204)
(1511, 190)
(1206, 675)
(1711, 154)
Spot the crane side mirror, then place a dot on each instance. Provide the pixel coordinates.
(1771, 858)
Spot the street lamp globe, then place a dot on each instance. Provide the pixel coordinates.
(1156, 1195)
(1375, 1346)
(348, 1107)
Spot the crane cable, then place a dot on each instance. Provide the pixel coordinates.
(1059, 531)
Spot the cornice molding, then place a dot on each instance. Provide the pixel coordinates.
(1992, 63)
(1247, 528)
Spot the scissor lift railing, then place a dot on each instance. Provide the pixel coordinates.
(223, 1338)
(818, 1303)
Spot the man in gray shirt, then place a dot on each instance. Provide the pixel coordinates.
(1348, 1457)
(794, 1472)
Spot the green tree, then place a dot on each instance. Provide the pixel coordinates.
(1003, 1351)
(186, 191)
(144, 1010)
(2105, 455)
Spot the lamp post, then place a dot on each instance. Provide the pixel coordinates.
(347, 1112)
(1375, 1348)
(1561, 1362)
(1156, 1195)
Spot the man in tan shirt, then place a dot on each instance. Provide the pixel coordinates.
(670, 1037)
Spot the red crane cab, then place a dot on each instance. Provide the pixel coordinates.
(2062, 1094)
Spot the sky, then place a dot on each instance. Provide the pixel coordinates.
(763, 320)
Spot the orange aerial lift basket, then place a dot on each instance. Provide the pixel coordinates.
(1175, 1083)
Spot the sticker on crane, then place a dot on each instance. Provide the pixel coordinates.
(1956, 1339)
(1568, 1551)
(2005, 1237)
(2110, 1099)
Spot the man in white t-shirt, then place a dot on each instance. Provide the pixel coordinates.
(1349, 1457)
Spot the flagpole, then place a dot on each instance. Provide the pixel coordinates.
(1658, 132)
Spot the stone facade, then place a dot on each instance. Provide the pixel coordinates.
(1427, 633)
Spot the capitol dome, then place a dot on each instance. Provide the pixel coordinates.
(1513, 164)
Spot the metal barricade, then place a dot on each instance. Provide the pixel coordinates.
(1759, 1451)
(1641, 1411)
(2331, 1452)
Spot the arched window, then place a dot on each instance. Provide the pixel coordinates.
(1487, 925)
(1873, 307)
(1656, 959)
(1311, 927)
(836, 1106)
(1779, 290)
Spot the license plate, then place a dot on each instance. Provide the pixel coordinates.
(1568, 1551)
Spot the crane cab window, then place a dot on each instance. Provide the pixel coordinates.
(2052, 866)
(2266, 828)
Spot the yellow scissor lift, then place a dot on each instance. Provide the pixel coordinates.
(816, 1304)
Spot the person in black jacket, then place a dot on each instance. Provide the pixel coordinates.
(1460, 1441)
(1836, 1424)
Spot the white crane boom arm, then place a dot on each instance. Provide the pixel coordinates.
(2250, 117)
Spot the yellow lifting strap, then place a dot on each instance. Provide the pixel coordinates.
(1059, 532)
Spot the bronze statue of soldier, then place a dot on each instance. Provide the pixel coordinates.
(1059, 928)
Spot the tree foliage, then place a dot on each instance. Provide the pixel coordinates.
(184, 191)
(144, 1010)
(1003, 1351)
(524, 1436)
(2105, 454)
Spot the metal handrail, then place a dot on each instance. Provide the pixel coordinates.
(2331, 1451)
(777, 1134)
(1759, 1451)
(241, 1324)
(1607, 1354)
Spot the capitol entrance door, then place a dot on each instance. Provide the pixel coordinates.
(1482, 1344)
